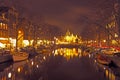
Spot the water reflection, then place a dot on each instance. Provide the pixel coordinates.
(38, 68)
(24, 70)
(41, 66)
(68, 53)
(110, 73)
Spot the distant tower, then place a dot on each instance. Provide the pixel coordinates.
(68, 32)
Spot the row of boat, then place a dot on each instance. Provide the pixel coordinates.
(105, 56)
(22, 54)
(17, 56)
(109, 57)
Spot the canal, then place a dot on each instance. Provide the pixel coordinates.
(59, 64)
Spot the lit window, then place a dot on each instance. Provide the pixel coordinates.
(116, 35)
(6, 26)
(0, 25)
(3, 26)
(19, 32)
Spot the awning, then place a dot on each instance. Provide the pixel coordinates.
(5, 41)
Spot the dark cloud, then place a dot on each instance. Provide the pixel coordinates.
(63, 13)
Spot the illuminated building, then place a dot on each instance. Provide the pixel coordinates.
(117, 14)
(8, 20)
(112, 27)
(68, 38)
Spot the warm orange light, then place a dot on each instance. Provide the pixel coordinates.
(19, 32)
(67, 53)
(9, 75)
(114, 42)
(1, 24)
(25, 42)
(116, 35)
(2, 45)
(104, 40)
(19, 69)
(32, 63)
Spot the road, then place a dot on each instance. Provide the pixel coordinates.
(55, 67)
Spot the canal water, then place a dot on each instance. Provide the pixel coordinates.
(59, 64)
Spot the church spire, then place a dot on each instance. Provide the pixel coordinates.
(68, 32)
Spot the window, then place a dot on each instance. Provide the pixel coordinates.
(0, 25)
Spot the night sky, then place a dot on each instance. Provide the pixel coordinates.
(67, 14)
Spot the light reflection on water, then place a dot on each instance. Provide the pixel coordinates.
(33, 69)
(68, 53)
(109, 73)
(24, 70)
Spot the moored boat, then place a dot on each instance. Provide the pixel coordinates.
(103, 59)
(20, 56)
(109, 51)
(5, 56)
